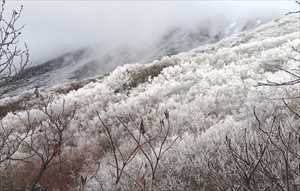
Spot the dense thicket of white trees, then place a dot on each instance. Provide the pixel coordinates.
(221, 101)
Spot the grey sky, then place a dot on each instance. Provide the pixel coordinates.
(54, 27)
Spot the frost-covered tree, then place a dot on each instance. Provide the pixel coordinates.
(13, 57)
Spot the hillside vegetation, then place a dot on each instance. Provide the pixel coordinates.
(222, 116)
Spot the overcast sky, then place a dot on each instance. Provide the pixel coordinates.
(55, 27)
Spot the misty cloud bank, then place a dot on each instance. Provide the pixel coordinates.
(56, 27)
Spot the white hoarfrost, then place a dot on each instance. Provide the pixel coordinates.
(209, 91)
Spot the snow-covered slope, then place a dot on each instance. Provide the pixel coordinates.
(212, 83)
(99, 59)
(224, 72)
(209, 91)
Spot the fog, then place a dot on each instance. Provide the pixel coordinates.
(55, 27)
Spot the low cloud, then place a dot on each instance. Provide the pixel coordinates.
(55, 27)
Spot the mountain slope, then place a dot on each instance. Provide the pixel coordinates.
(218, 78)
(209, 92)
(99, 59)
